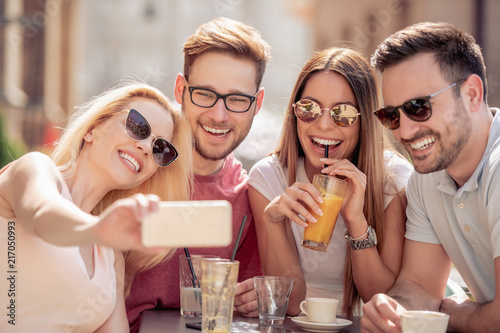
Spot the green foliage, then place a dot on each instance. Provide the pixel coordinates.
(9, 151)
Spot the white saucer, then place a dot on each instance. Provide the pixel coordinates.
(311, 326)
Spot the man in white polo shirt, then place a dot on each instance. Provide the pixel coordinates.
(434, 89)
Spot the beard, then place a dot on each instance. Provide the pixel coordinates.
(215, 154)
(457, 134)
(212, 153)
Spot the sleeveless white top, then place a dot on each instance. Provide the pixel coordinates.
(323, 271)
(46, 288)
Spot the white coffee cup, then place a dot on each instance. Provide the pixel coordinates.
(320, 310)
(424, 322)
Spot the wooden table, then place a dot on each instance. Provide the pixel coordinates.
(162, 321)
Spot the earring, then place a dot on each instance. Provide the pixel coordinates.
(88, 138)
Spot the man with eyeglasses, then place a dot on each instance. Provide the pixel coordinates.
(435, 74)
(220, 93)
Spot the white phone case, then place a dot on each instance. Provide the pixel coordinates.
(206, 223)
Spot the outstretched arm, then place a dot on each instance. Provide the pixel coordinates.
(30, 190)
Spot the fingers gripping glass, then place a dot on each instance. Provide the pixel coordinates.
(343, 115)
(138, 128)
(418, 109)
(207, 98)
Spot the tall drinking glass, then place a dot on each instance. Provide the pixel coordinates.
(190, 284)
(218, 285)
(332, 189)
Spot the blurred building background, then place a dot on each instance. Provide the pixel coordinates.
(56, 54)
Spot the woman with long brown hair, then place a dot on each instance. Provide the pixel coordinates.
(331, 107)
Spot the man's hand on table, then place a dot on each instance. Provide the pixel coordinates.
(245, 299)
(381, 314)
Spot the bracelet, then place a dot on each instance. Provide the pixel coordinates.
(350, 238)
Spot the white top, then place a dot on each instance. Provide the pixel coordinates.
(464, 221)
(323, 271)
(47, 287)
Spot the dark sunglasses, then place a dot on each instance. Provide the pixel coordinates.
(139, 129)
(343, 115)
(417, 109)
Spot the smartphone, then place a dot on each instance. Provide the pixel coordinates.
(196, 325)
(205, 223)
(244, 327)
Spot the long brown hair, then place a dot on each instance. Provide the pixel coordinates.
(368, 155)
(169, 183)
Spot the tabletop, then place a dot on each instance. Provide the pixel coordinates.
(156, 321)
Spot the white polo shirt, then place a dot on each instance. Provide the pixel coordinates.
(464, 221)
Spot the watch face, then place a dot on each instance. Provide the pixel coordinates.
(372, 235)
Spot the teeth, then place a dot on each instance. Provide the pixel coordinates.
(326, 142)
(423, 144)
(220, 131)
(131, 161)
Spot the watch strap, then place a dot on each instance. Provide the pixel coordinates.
(363, 243)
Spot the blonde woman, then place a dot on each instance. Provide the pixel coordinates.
(332, 106)
(64, 220)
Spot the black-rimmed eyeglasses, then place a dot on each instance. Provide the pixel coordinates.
(206, 98)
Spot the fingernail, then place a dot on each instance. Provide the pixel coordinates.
(319, 212)
(320, 199)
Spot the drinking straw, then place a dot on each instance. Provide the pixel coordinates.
(326, 155)
(196, 283)
(324, 165)
(239, 237)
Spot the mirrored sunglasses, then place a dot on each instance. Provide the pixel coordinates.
(417, 109)
(138, 129)
(343, 115)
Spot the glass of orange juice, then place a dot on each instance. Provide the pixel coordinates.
(317, 235)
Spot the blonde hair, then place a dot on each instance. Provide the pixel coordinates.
(172, 182)
(368, 156)
(227, 36)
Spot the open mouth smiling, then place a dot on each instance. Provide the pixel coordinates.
(130, 161)
(423, 144)
(322, 143)
(216, 131)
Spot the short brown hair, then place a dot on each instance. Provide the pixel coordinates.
(230, 37)
(455, 51)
